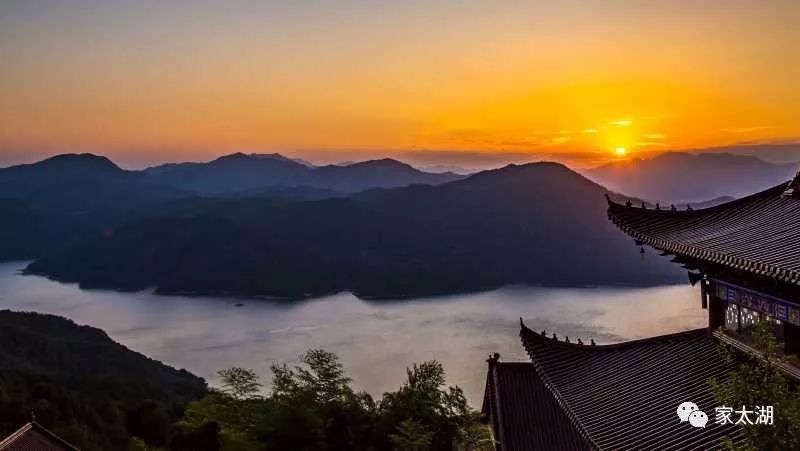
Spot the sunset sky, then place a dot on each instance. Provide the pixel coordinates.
(151, 81)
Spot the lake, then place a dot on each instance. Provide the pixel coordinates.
(376, 340)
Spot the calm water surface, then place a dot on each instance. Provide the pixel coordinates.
(375, 340)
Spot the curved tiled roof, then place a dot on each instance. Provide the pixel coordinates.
(759, 234)
(620, 396)
(625, 396)
(523, 412)
(34, 437)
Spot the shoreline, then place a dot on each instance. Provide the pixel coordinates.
(383, 297)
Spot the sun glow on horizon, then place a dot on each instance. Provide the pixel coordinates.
(620, 151)
(139, 80)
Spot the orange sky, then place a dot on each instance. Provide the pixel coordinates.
(163, 81)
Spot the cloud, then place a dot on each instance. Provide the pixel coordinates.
(527, 143)
(788, 152)
(622, 122)
(751, 129)
(650, 144)
(478, 160)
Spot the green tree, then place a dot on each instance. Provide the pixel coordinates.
(424, 400)
(149, 421)
(235, 420)
(240, 383)
(137, 444)
(314, 407)
(206, 437)
(411, 436)
(759, 381)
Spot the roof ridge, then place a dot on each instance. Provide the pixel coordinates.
(52, 435)
(578, 381)
(14, 435)
(36, 427)
(777, 189)
(793, 188)
(622, 344)
(526, 333)
(717, 236)
(524, 363)
(573, 418)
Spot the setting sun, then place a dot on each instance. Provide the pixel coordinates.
(620, 151)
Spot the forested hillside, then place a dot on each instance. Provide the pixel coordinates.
(98, 395)
(537, 223)
(88, 389)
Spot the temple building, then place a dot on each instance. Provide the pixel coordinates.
(34, 437)
(745, 254)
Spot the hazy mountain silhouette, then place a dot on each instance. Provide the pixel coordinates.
(68, 198)
(677, 177)
(240, 172)
(535, 223)
(64, 166)
(771, 153)
(231, 173)
(64, 199)
(79, 184)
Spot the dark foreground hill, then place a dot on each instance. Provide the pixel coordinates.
(679, 177)
(537, 223)
(90, 390)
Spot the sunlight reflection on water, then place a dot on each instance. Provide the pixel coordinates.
(375, 340)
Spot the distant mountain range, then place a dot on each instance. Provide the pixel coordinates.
(62, 200)
(537, 223)
(266, 225)
(241, 172)
(771, 153)
(675, 177)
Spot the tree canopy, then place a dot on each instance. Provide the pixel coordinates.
(313, 407)
(759, 381)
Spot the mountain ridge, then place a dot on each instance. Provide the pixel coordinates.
(242, 172)
(540, 223)
(679, 177)
(67, 198)
(65, 164)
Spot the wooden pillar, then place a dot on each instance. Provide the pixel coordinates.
(704, 285)
(791, 337)
(716, 313)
